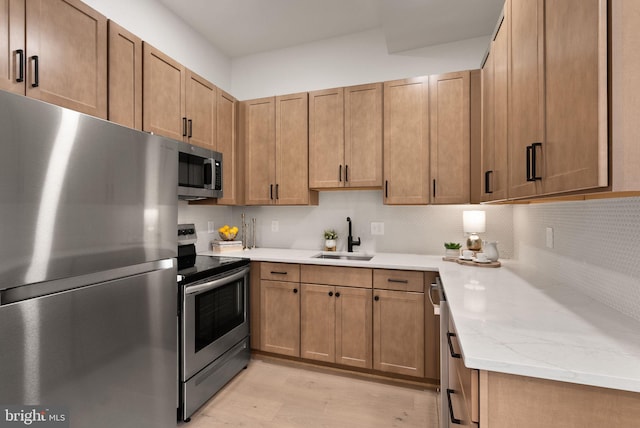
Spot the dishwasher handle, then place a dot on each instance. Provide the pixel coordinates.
(435, 287)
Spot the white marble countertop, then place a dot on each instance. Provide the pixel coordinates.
(515, 320)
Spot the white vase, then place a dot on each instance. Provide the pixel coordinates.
(329, 244)
(450, 252)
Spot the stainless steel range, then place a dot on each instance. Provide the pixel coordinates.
(214, 321)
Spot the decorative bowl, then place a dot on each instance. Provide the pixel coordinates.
(227, 236)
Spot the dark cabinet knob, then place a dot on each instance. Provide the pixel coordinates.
(376, 298)
(330, 293)
(337, 294)
(295, 290)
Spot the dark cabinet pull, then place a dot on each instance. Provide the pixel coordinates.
(275, 272)
(330, 293)
(338, 294)
(295, 290)
(487, 184)
(184, 126)
(451, 416)
(386, 188)
(190, 122)
(434, 187)
(401, 281)
(270, 191)
(36, 71)
(20, 54)
(277, 191)
(453, 353)
(346, 173)
(376, 298)
(340, 173)
(528, 169)
(534, 162)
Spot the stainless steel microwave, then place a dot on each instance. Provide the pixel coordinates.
(199, 173)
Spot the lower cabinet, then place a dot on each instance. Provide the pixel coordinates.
(371, 319)
(336, 324)
(398, 332)
(280, 309)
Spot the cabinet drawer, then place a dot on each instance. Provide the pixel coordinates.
(336, 275)
(400, 280)
(280, 272)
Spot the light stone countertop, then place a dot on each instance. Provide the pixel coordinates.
(516, 320)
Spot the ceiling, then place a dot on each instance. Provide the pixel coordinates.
(245, 27)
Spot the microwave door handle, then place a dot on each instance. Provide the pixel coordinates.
(208, 172)
(215, 283)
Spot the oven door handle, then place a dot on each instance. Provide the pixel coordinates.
(193, 289)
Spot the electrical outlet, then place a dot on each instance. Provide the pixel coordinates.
(377, 228)
(211, 227)
(549, 237)
(275, 225)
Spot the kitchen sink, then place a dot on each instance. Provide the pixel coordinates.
(361, 258)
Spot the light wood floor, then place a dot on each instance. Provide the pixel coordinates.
(269, 394)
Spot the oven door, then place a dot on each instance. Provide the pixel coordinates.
(215, 318)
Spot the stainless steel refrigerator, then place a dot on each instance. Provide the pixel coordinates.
(88, 309)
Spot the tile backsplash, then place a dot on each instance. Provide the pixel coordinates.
(596, 247)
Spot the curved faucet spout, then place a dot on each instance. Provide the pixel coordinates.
(350, 240)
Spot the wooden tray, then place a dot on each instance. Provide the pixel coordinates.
(471, 262)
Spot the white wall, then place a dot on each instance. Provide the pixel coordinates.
(344, 61)
(154, 23)
(407, 229)
(595, 247)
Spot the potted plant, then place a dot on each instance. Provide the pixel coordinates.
(330, 237)
(452, 249)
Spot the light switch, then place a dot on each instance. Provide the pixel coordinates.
(211, 227)
(275, 225)
(377, 228)
(549, 237)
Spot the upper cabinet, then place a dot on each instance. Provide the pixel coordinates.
(65, 64)
(450, 137)
(345, 137)
(125, 77)
(494, 120)
(557, 68)
(406, 141)
(275, 139)
(164, 108)
(227, 144)
(177, 103)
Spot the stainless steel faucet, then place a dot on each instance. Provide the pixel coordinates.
(350, 241)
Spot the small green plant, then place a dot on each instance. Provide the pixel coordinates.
(330, 234)
(452, 246)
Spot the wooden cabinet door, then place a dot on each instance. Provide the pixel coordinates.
(450, 137)
(163, 94)
(354, 327)
(260, 150)
(12, 39)
(406, 141)
(292, 150)
(125, 77)
(494, 120)
(227, 144)
(398, 332)
(67, 43)
(317, 322)
(280, 317)
(575, 63)
(326, 138)
(526, 90)
(363, 135)
(201, 97)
